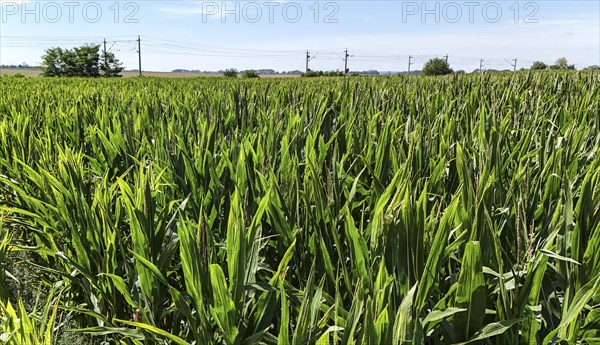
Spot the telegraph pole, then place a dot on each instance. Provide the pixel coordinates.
(515, 65)
(346, 62)
(139, 40)
(409, 63)
(481, 66)
(446, 58)
(307, 59)
(105, 63)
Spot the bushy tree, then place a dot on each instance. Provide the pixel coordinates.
(86, 61)
(538, 66)
(231, 73)
(562, 63)
(436, 66)
(250, 74)
(83, 61)
(111, 66)
(53, 62)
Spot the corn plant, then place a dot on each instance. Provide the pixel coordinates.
(461, 209)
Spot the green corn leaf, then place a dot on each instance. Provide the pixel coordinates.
(491, 330)
(224, 310)
(580, 300)
(433, 259)
(407, 327)
(470, 293)
(437, 315)
(155, 330)
(359, 247)
(236, 250)
(557, 257)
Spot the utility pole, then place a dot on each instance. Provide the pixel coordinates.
(346, 62)
(140, 54)
(446, 58)
(105, 63)
(515, 65)
(307, 59)
(409, 63)
(481, 66)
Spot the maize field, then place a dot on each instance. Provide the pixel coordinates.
(362, 210)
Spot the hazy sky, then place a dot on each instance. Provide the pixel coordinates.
(213, 35)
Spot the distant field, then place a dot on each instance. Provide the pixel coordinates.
(25, 71)
(36, 72)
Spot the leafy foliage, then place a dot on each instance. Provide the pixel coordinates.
(84, 61)
(322, 211)
(250, 73)
(17, 326)
(562, 64)
(538, 66)
(436, 66)
(110, 66)
(230, 73)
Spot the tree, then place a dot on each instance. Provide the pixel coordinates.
(436, 66)
(111, 67)
(250, 74)
(538, 66)
(562, 63)
(230, 73)
(86, 61)
(52, 62)
(81, 61)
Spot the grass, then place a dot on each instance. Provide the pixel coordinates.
(461, 209)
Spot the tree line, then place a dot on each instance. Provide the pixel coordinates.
(560, 63)
(88, 61)
(439, 66)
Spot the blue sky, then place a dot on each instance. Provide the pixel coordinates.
(213, 35)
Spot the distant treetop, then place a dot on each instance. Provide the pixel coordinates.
(437, 66)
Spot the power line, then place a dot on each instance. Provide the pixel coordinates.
(188, 45)
(155, 45)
